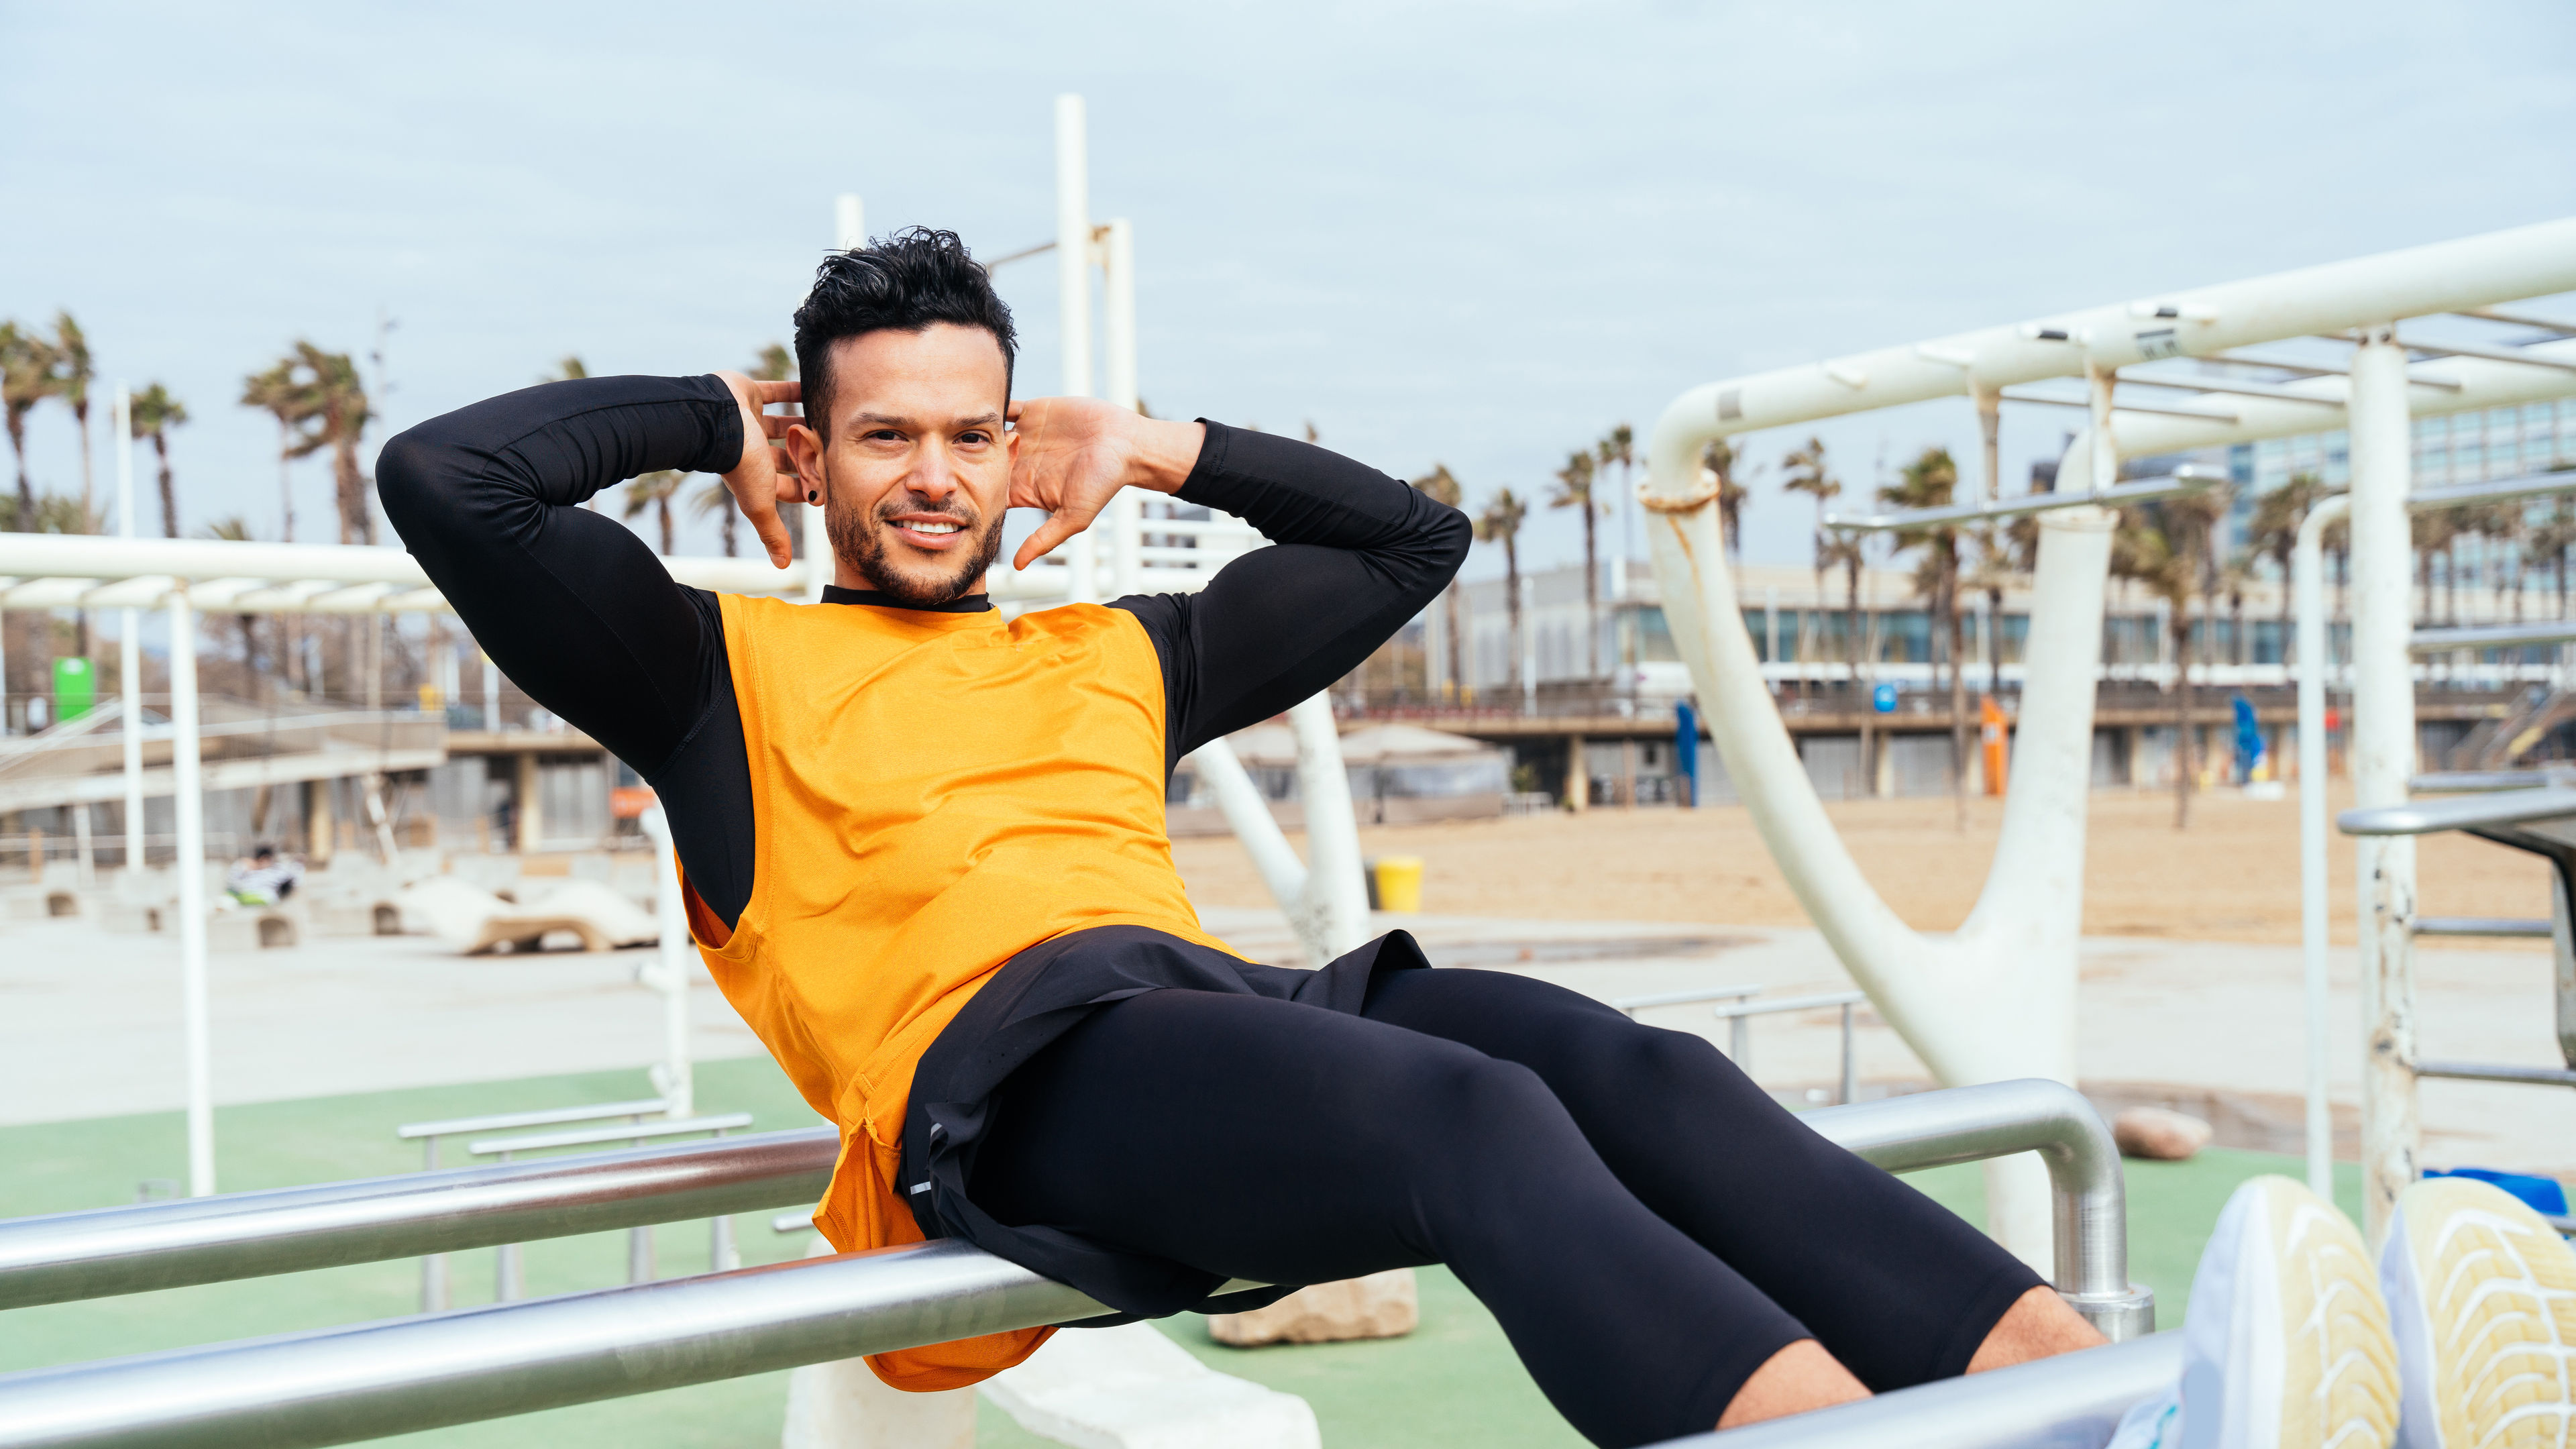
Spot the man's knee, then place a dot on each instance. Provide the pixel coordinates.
(1470, 1111)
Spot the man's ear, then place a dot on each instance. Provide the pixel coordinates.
(805, 452)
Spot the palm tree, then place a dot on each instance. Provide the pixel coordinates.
(1619, 446)
(1808, 474)
(153, 413)
(275, 392)
(1501, 523)
(73, 367)
(1574, 490)
(1440, 487)
(27, 377)
(1931, 481)
(653, 490)
(2274, 533)
(337, 414)
(1719, 459)
(2165, 547)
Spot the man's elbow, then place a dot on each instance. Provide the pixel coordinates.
(1451, 536)
(407, 473)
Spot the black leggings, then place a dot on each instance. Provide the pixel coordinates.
(1648, 1226)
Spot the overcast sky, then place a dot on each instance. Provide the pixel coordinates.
(1478, 234)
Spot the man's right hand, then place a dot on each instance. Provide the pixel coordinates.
(764, 478)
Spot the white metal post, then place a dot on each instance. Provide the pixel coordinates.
(849, 222)
(2307, 567)
(190, 801)
(849, 229)
(1529, 646)
(1073, 300)
(1118, 342)
(129, 662)
(1334, 905)
(2383, 756)
(673, 1080)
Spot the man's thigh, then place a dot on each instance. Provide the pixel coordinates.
(1237, 1134)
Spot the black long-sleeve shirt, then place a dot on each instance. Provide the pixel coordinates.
(583, 617)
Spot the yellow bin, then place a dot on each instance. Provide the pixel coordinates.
(1399, 883)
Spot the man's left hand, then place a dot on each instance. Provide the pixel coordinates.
(1075, 454)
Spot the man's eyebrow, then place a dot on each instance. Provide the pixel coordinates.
(980, 420)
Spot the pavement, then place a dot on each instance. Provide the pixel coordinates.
(90, 1027)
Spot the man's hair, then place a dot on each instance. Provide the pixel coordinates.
(904, 283)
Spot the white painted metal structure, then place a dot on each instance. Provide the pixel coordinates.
(1997, 998)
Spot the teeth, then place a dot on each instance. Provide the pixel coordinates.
(932, 527)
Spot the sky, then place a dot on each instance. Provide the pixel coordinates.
(1478, 235)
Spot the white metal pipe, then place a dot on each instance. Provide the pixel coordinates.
(1073, 300)
(2307, 569)
(1248, 815)
(2383, 757)
(190, 828)
(1332, 912)
(673, 1078)
(2450, 276)
(849, 221)
(1118, 341)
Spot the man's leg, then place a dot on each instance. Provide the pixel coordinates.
(1892, 1284)
(1262, 1139)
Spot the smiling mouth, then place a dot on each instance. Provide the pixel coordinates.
(921, 528)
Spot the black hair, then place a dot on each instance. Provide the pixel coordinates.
(904, 282)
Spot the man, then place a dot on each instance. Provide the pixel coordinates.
(262, 878)
(924, 854)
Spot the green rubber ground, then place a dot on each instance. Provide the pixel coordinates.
(1452, 1381)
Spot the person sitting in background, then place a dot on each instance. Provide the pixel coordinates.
(263, 877)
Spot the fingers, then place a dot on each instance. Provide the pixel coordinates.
(778, 392)
(1060, 525)
(772, 530)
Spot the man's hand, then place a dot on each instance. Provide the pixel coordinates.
(764, 477)
(1076, 453)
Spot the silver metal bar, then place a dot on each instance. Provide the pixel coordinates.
(2520, 319)
(2481, 926)
(2497, 1072)
(2073, 1399)
(1793, 1003)
(369, 1380)
(2143, 490)
(2494, 490)
(2204, 414)
(2478, 782)
(254, 1234)
(2491, 354)
(1633, 1004)
(1970, 1124)
(2238, 389)
(2492, 636)
(511, 1121)
(2460, 812)
(593, 1136)
(1851, 1067)
(2319, 369)
(799, 1221)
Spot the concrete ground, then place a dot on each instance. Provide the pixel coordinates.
(89, 1021)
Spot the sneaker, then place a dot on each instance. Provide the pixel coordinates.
(2286, 1344)
(2483, 1291)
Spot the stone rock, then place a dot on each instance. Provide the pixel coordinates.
(1381, 1305)
(2159, 1135)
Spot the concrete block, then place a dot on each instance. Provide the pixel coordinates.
(844, 1405)
(2158, 1134)
(1381, 1305)
(1132, 1388)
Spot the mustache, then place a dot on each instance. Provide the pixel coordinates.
(952, 511)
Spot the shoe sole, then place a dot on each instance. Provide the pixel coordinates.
(2485, 1293)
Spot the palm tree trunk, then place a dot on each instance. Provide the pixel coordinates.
(357, 523)
(1852, 650)
(1995, 642)
(663, 507)
(1512, 601)
(89, 490)
(169, 495)
(285, 484)
(1457, 661)
(1958, 690)
(1591, 596)
(26, 521)
(724, 531)
(2185, 756)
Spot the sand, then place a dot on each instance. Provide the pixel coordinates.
(2232, 875)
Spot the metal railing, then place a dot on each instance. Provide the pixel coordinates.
(1737, 1009)
(366, 1380)
(434, 1281)
(2072, 1399)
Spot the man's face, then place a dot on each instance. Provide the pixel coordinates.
(917, 472)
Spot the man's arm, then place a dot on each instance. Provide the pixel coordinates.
(1357, 554)
(573, 606)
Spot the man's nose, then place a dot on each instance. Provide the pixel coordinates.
(931, 475)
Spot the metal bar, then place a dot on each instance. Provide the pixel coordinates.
(2180, 481)
(2460, 812)
(369, 1380)
(2237, 389)
(2519, 319)
(552, 1116)
(2493, 1072)
(800, 1221)
(2481, 926)
(1634, 1004)
(1792, 1003)
(2496, 490)
(1851, 1078)
(2205, 414)
(251, 1235)
(2490, 354)
(2319, 369)
(2072, 1399)
(593, 1136)
(1969, 1124)
(2492, 636)
(2466, 782)
(2307, 574)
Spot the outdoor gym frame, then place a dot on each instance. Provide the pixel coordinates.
(366, 1380)
(1997, 997)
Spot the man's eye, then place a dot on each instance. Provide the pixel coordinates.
(975, 437)
(888, 435)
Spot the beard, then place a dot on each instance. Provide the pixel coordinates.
(859, 539)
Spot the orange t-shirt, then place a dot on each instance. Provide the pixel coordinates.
(932, 793)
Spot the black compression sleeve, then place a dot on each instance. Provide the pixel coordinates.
(572, 606)
(1357, 555)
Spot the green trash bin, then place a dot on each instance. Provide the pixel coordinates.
(75, 688)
